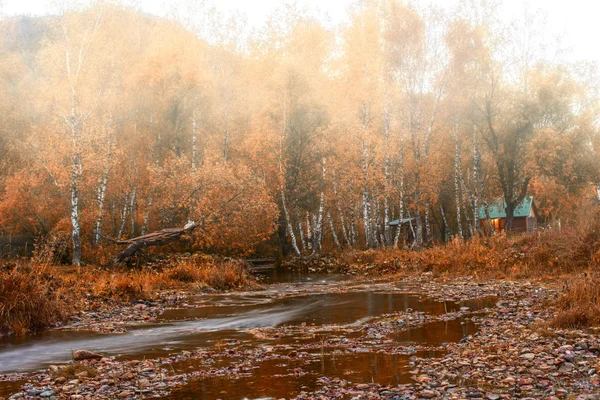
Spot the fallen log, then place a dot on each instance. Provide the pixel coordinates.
(158, 238)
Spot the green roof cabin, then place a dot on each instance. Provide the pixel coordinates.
(524, 218)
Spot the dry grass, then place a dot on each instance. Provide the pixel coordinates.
(580, 304)
(31, 299)
(35, 295)
(544, 255)
(75, 370)
(221, 275)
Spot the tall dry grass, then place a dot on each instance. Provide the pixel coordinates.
(35, 294)
(579, 306)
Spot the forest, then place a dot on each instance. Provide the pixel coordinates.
(399, 204)
(298, 139)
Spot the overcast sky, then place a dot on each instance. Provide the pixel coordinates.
(574, 21)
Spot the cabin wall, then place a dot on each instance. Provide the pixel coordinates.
(519, 224)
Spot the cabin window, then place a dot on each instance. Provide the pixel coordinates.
(497, 224)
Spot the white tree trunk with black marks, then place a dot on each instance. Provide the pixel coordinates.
(387, 168)
(319, 225)
(457, 182)
(476, 176)
(302, 237)
(309, 232)
(132, 209)
(445, 222)
(333, 232)
(101, 193)
(75, 120)
(286, 214)
(194, 141)
(428, 237)
(290, 230)
(124, 215)
(340, 213)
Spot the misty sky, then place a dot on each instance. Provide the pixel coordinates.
(575, 22)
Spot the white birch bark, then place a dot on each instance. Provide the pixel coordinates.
(76, 230)
(445, 222)
(74, 121)
(366, 198)
(340, 213)
(290, 231)
(333, 232)
(124, 216)
(309, 234)
(319, 225)
(289, 227)
(194, 141)
(132, 208)
(466, 195)
(428, 238)
(457, 182)
(387, 168)
(401, 201)
(101, 194)
(302, 237)
(476, 174)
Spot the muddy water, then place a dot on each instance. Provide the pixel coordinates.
(293, 300)
(275, 379)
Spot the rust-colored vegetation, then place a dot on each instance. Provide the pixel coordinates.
(35, 295)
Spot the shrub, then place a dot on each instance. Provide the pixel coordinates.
(31, 300)
(579, 307)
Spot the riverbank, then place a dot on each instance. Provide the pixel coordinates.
(35, 296)
(500, 344)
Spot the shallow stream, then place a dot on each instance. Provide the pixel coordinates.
(288, 300)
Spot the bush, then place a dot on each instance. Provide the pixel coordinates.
(580, 304)
(219, 274)
(31, 300)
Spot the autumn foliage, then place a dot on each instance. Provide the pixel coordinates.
(297, 139)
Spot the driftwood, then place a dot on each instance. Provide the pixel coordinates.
(157, 238)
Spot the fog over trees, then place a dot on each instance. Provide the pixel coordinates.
(298, 138)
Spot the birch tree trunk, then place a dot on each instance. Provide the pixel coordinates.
(401, 205)
(333, 232)
(445, 221)
(302, 237)
(288, 222)
(194, 141)
(476, 175)
(124, 216)
(101, 194)
(466, 195)
(428, 239)
(319, 225)
(76, 230)
(340, 213)
(457, 182)
(290, 230)
(387, 167)
(366, 203)
(132, 208)
(75, 120)
(309, 234)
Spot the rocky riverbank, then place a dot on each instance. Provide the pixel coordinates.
(513, 354)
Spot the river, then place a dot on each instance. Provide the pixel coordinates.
(289, 300)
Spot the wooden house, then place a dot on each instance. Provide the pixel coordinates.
(524, 217)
